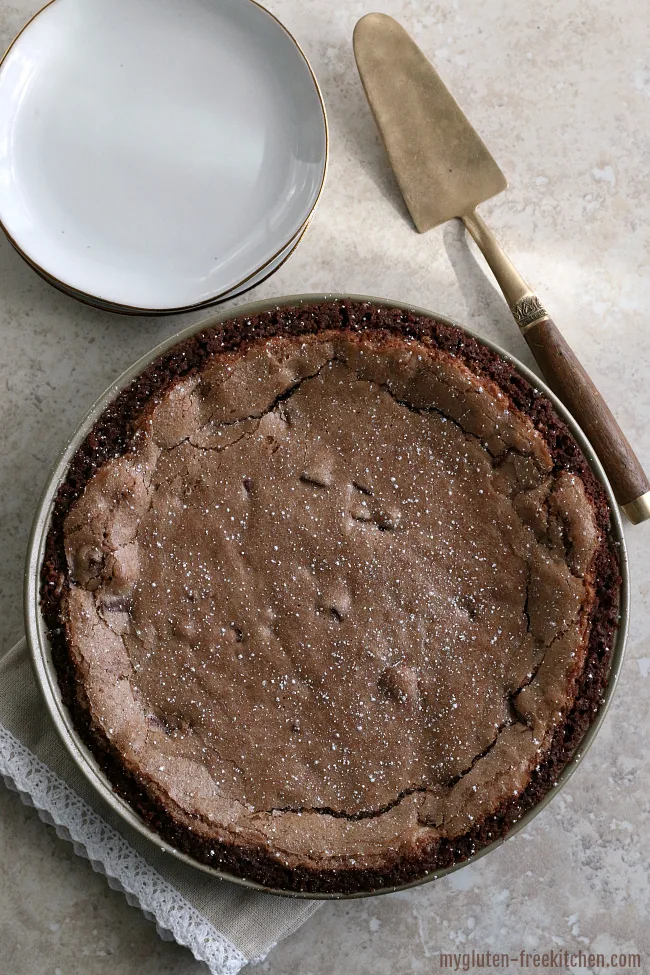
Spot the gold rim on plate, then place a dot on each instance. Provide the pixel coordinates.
(102, 305)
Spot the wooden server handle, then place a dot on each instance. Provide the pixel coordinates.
(567, 378)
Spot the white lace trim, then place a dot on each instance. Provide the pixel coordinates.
(110, 854)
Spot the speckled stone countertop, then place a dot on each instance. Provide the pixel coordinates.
(560, 91)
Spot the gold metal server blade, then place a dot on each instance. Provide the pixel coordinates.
(442, 166)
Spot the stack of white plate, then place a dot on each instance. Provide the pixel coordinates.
(158, 155)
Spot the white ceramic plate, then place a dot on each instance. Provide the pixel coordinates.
(157, 155)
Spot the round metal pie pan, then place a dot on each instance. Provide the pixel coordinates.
(36, 629)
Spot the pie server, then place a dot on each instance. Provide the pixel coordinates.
(444, 171)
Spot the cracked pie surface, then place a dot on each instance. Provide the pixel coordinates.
(328, 596)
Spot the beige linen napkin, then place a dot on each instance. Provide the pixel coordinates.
(222, 924)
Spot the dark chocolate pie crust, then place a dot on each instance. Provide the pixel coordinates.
(331, 596)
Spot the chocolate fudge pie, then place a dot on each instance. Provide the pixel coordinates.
(331, 596)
